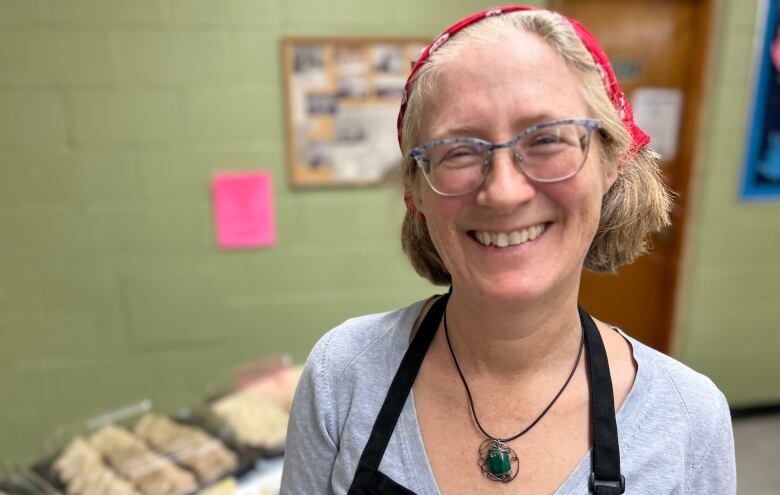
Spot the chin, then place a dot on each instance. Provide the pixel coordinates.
(510, 288)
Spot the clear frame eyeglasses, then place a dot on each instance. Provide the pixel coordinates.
(548, 152)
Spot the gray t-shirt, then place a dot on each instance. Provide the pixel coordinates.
(674, 426)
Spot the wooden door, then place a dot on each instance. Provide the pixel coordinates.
(652, 44)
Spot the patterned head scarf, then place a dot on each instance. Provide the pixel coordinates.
(638, 137)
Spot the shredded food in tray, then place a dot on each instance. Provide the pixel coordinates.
(188, 446)
(151, 473)
(83, 472)
(252, 418)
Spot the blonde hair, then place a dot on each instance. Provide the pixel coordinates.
(636, 205)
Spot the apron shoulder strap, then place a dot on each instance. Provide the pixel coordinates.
(605, 478)
(397, 394)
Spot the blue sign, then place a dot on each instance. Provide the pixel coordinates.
(761, 179)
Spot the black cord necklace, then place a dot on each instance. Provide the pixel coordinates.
(497, 461)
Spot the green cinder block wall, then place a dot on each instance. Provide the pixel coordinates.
(729, 320)
(113, 117)
(115, 114)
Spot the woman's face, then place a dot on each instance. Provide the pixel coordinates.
(493, 92)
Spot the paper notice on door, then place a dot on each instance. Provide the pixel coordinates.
(244, 210)
(658, 112)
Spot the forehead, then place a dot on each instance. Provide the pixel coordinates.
(501, 86)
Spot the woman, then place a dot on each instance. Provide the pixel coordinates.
(522, 167)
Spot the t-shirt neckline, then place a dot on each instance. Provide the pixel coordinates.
(578, 477)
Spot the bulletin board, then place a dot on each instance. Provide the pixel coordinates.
(761, 177)
(342, 100)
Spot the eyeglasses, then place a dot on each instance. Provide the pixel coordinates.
(548, 152)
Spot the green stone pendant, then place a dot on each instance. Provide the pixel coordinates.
(497, 461)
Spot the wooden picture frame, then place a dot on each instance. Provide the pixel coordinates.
(342, 99)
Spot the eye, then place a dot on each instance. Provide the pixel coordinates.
(552, 138)
(461, 152)
(460, 155)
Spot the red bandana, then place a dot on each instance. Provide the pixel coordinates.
(639, 138)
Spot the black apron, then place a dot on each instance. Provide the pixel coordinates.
(605, 477)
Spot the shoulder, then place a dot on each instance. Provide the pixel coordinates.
(689, 403)
(359, 355)
(347, 365)
(697, 394)
(358, 339)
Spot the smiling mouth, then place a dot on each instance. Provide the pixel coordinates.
(511, 238)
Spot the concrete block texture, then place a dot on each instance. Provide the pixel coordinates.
(365, 13)
(240, 12)
(141, 228)
(23, 11)
(11, 178)
(87, 286)
(48, 338)
(256, 58)
(170, 307)
(19, 289)
(32, 118)
(127, 116)
(64, 56)
(176, 57)
(187, 172)
(109, 12)
(737, 62)
(742, 15)
(43, 233)
(233, 113)
(79, 177)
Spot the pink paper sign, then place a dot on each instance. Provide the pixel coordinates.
(244, 210)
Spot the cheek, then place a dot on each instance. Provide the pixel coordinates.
(441, 219)
(442, 242)
(439, 210)
(580, 202)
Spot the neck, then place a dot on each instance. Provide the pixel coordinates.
(513, 340)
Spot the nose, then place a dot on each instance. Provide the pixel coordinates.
(506, 186)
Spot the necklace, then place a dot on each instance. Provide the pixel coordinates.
(497, 461)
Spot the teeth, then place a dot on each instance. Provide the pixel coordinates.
(525, 235)
(504, 239)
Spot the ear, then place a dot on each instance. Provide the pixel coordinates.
(413, 204)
